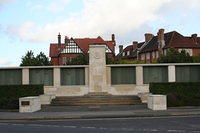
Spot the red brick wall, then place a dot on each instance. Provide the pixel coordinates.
(67, 56)
(54, 61)
(196, 52)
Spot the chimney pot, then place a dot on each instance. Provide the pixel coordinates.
(113, 37)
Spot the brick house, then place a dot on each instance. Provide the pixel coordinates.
(62, 53)
(154, 46)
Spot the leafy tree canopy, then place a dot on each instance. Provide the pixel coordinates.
(174, 56)
(30, 60)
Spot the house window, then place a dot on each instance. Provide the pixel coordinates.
(128, 53)
(189, 51)
(123, 54)
(148, 55)
(165, 52)
(156, 54)
(142, 56)
(64, 60)
(153, 54)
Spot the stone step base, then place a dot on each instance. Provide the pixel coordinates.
(96, 100)
(98, 94)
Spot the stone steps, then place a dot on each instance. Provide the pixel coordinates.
(96, 100)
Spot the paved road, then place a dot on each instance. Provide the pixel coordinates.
(138, 125)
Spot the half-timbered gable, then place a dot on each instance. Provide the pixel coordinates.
(71, 48)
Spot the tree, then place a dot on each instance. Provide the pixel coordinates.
(196, 59)
(30, 60)
(174, 56)
(43, 60)
(79, 60)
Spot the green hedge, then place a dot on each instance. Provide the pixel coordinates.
(178, 94)
(10, 94)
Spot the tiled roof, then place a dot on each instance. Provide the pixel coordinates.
(131, 48)
(53, 51)
(83, 43)
(172, 39)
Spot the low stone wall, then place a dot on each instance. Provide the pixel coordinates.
(67, 90)
(127, 89)
(120, 89)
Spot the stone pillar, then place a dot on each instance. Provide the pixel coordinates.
(108, 73)
(171, 73)
(139, 75)
(97, 68)
(86, 76)
(56, 77)
(25, 76)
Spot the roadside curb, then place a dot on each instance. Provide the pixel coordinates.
(103, 116)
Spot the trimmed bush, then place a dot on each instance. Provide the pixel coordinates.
(10, 94)
(178, 94)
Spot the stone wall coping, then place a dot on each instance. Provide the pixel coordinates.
(169, 64)
(110, 65)
(97, 45)
(156, 95)
(31, 97)
(32, 67)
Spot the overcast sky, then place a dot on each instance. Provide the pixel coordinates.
(34, 24)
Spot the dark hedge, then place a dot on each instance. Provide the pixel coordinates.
(10, 94)
(178, 94)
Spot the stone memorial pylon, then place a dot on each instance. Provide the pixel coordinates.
(97, 68)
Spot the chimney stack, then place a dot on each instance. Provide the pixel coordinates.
(161, 34)
(135, 44)
(113, 37)
(148, 37)
(59, 38)
(59, 43)
(161, 41)
(194, 37)
(120, 48)
(66, 40)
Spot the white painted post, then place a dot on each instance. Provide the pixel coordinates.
(56, 77)
(139, 75)
(171, 73)
(25, 76)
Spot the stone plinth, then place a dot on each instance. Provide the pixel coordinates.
(144, 96)
(97, 68)
(29, 104)
(157, 102)
(46, 99)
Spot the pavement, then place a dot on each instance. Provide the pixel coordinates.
(184, 124)
(92, 112)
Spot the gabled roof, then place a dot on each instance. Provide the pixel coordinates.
(132, 48)
(83, 43)
(172, 39)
